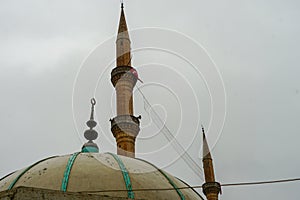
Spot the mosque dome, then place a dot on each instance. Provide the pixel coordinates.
(100, 173)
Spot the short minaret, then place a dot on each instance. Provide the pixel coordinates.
(125, 126)
(210, 188)
(91, 134)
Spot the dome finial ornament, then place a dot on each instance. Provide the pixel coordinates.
(93, 102)
(91, 134)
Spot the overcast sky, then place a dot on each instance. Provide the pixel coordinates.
(201, 62)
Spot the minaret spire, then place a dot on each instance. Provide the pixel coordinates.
(211, 188)
(123, 42)
(125, 126)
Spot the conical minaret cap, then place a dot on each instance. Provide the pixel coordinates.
(123, 30)
(206, 151)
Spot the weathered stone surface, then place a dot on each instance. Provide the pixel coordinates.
(27, 193)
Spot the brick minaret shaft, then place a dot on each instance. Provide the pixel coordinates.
(125, 126)
(211, 188)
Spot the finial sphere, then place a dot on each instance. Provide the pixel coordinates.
(90, 134)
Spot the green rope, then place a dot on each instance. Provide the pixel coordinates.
(23, 172)
(168, 178)
(67, 172)
(125, 176)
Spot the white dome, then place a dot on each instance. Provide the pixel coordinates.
(100, 174)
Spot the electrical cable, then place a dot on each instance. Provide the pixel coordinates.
(198, 186)
(194, 166)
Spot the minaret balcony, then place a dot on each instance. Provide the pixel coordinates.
(125, 124)
(211, 187)
(123, 73)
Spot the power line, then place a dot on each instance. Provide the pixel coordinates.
(261, 182)
(194, 166)
(199, 186)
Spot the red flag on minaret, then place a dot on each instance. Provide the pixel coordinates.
(135, 73)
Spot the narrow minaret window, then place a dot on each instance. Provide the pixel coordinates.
(125, 126)
(211, 188)
(91, 134)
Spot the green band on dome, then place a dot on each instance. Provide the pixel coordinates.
(167, 177)
(125, 175)
(67, 172)
(23, 172)
(90, 150)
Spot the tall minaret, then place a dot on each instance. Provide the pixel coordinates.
(210, 188)
(125, 126)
